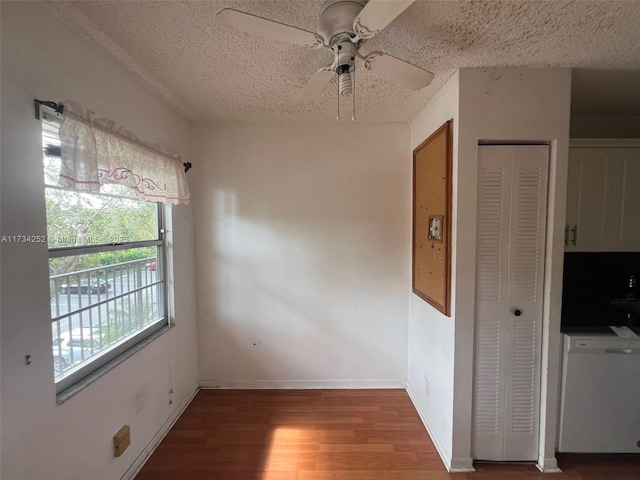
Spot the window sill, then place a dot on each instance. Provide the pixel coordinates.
(92, 377)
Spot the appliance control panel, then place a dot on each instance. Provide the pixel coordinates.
(601, 344)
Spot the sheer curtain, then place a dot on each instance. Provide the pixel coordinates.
(96, 152)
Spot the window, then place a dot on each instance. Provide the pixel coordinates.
(105, 270)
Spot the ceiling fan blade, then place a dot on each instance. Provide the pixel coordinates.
(315, 85)
(252, 24)
(376, 15)
(398, 70)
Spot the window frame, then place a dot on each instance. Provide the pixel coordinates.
(88, 370)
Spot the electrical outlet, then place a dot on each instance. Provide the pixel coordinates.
(427, 387)
(121, 440)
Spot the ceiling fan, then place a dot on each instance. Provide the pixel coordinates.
(343, 27)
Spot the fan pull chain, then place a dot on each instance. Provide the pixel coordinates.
(338, 84)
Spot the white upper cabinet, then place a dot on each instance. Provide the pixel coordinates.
(603, 197)
(626, 198)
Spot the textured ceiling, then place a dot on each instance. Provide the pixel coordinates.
(208, 71)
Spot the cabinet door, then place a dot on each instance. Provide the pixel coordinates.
(589, 202)
(625, 221)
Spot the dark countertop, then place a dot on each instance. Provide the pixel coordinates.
(590, 330)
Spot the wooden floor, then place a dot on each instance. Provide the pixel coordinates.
(329, 434)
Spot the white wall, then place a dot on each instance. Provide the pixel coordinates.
(42, 58)
(503, 105)
(303, 249)
(432, 334)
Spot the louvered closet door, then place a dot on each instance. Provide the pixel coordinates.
(512, 205)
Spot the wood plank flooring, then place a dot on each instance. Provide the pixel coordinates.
(329, 434)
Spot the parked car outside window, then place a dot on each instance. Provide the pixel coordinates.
(94, 287)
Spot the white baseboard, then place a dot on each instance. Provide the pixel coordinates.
(453, 465)
(548, 465)
(301, 384)
(139, 462)
(461, 465)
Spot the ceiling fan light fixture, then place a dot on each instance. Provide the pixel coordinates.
(345, 65)
(345, 84)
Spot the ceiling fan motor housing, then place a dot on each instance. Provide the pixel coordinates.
(337, 16)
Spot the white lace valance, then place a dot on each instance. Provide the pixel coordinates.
(96, 152)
